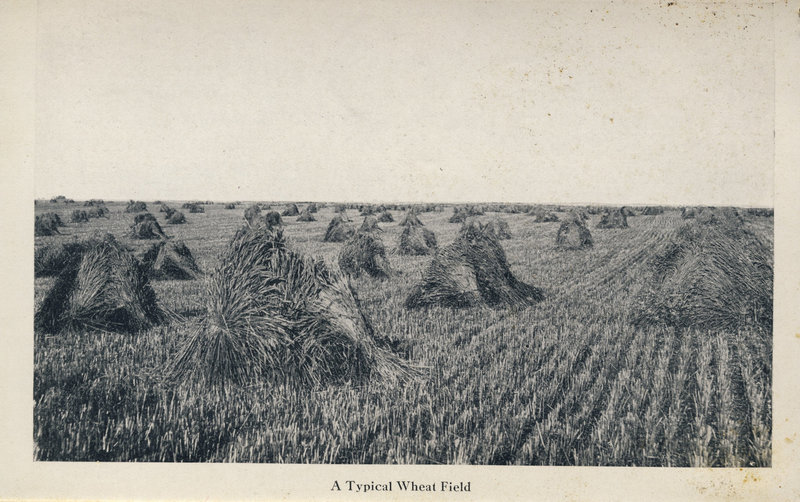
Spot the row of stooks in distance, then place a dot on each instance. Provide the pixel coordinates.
(274, 314)
(573, 232)
(468, 209)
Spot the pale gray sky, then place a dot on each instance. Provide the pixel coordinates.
(578, 101)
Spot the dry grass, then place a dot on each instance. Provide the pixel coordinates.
(193, 207)
(98, 212)
(50, 260)
(175, 217)
(499, 228)
(416, 240)
(615, 218)
(44, 226)
(365, 253)
(271, 219)
(145, 226)
(105, 290)
(135, 206)
(275, 315)
(338, 230)
(167, 260)
(567, 381)
(370, 224)
(709, 275)
(291, 210)
(472, 270)
(306, 215)
(411, 219)
(461, 213)
(573, 234)
(540, 215)
(252, 213)
(79, 216)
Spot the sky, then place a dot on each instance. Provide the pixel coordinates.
(571, 102)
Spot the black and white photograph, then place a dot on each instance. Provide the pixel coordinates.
(427, 235)
(488, 334)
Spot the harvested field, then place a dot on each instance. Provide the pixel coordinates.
(607, 367)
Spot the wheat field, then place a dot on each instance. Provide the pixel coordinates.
(571, 380)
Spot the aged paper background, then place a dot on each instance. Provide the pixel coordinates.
(372, 103)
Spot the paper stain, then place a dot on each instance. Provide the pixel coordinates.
(751, 478)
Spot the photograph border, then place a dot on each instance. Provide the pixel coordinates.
(23, 478)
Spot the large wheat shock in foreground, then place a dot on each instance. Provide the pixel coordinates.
(275, 315)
